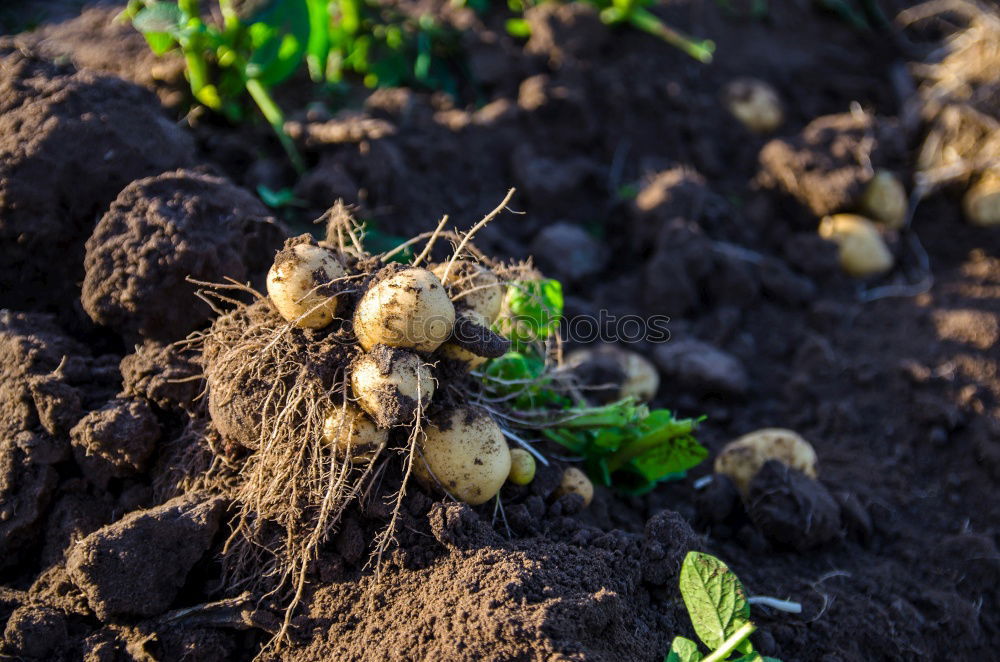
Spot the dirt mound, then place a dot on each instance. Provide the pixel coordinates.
(84, 40)
(47, 382)
(158, 232)
(465, 593)
(71, 140)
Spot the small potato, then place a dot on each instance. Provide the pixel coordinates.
(982, 201)
(353, 434)
(862, 250)
(629, 373)
(407, 307)
(473, 286)
(575, 481)
(465, 453)
(742, 458)
(297, 283)
(388, 384)
(522, 467)
(884, 199)
(755, 104)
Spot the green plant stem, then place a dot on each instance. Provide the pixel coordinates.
(614, 415)
(647, 22)
(646, 443)
(272, 113)
(730, 644)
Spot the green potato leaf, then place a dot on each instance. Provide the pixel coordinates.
(683, 650)
(714, 597)
(158, 18)
(279, 38)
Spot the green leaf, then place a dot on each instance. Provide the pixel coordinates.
(714, 597)
(159, 42)
(279, 37)
(683, 650)
(318, 46)
(673, 457)
(533, 311)
(518, 27)
(159, 17)
(284, 197)
(756, 657)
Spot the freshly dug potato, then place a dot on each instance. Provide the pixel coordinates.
(628, 373)
(522, 467)
(353, 434)
(884, 199)
(862, 250)
(388, 383)
(464, 451)
(575, 481)
(473, 341)
(755, 104)
(473, 286)
(742, 458)
(982, 200)
(298, 284)
(405, 307)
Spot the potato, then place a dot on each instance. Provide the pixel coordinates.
(388, 383)
(353, 434)
(630, 373)
(862, 250)
(575, 481)
(405, 307)
(522, 467)
(297, 284)
(884, 199)
(451, 350)
(982, 201)
(754, 103)
(473, 286)
(742, 458)
(465, 453)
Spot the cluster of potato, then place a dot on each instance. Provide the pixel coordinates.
(405, 320)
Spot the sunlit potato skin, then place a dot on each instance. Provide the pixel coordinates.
(464, 453)
(863, 253)
(574, 481)
(389, 384)
(742, 458)
(884, 200)
(472, 286)
(522, 467)
(353, 434)
(298, 283)
(982, 201)
(407, 308)
(755, 104)
(639, 378)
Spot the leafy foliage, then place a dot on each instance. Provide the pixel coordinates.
(623, 444)
(719, 611)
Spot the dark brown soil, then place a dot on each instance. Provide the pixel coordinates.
(667, 207)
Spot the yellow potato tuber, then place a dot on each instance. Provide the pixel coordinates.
(884, 199)
(298, 284)
(405, 307)
(465, 453)
(473, 286)
(575, 481)
(353, 434)
(389, 383)
(862, 250)
(522, 467)
(754, 103)
(982, 201)
(742, 458)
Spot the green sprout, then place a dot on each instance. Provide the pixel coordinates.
(244, 55)
(720, 613)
